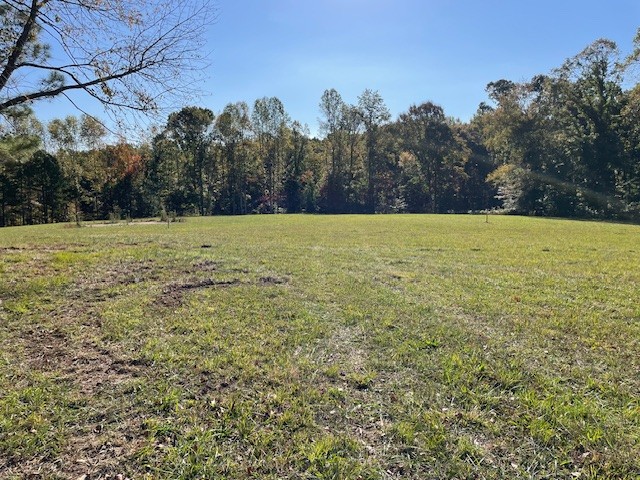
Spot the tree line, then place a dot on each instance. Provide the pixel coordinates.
(562, 144)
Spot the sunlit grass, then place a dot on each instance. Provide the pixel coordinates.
(321, 347)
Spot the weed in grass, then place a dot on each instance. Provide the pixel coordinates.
(331, 457)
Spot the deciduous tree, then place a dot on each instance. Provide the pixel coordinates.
(374, 114)
(190, 128)
(428, 136)
(270, 120)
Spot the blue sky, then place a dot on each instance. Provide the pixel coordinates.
(409, 50)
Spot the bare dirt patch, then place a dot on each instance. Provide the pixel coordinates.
(124, 273)
(98, 443)
(206, 266)
(108, 432)
(172, 294)
(86, 364)
(273, 280)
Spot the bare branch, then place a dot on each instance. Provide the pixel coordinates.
(127, 54)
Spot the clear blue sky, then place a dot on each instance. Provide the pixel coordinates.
(410, 51)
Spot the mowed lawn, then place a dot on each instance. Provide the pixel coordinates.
(399, 346)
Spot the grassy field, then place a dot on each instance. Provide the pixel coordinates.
(321, 347)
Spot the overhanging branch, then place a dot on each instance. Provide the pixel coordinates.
(125, 53)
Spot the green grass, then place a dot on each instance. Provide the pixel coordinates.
(321, 347)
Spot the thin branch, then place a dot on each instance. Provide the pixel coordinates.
(57, 91)
(77, 107)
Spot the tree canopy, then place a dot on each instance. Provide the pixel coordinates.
(563, 143)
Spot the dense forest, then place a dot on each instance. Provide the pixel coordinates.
(566, 143)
